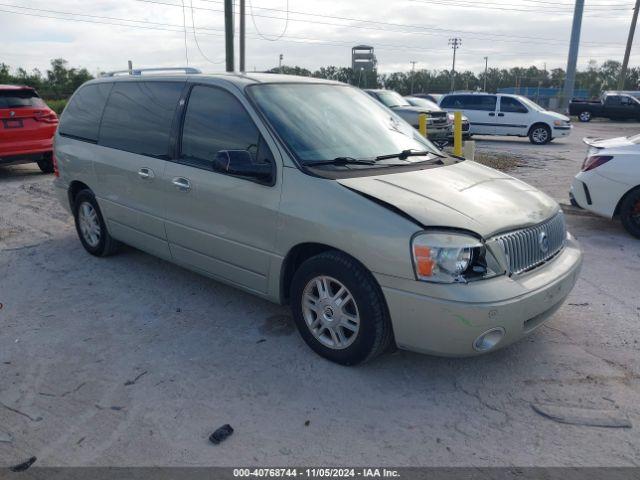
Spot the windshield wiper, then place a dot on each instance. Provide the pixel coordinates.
(403, 155)
(342, 161)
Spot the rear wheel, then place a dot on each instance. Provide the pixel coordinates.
(339, 309)
(584, 116)
(630, 212)
(46, 164)
(540, 134)
(91, 227)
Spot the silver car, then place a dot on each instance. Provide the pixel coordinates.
(309, 192)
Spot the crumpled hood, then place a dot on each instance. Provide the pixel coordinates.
(465, 195)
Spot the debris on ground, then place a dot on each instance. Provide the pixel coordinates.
(579, 304)
(5, 437)
(131, 382)
(24, 465)
(221, 434)
(583, 416)
(500, 161)
(262, 340)
(26, 415)
(307, 423)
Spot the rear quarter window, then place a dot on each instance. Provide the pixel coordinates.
(139, 116)
(81, 117)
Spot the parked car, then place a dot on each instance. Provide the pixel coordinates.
(609, 182)
(437, 122)
(27, 126)
(503, 114)
(434, 97)
(424, 103)
(612, 105)
(308, 192)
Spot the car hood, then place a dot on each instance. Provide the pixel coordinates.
(557, 116)
(465, 195)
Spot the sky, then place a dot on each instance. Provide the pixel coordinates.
(102, 35)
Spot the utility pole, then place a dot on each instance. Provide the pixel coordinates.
(454, 43)
(572, 61)
(413, 67)
(242, 35)
(280, 62)
(486, 67)
(627, 52)
(228, 34)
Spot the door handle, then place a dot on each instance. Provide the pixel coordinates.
(182, 184)
(501, 114)
(492, 114)
(145, 173)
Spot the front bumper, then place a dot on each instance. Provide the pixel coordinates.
(563, 131)
(446, 319)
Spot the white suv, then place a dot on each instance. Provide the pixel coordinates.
(501, 114)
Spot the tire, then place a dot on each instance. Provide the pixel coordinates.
(361, 300)
(90, 226)
(584, 116)
(46, 165)
(630, 212)
(540, 134)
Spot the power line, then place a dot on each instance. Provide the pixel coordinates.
(255, 26)
(511, 7)
(184, 25)
(195, 37)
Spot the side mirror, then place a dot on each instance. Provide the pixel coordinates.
(240, 162)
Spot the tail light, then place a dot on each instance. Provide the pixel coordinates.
(56, 172)
(594, 162)
(47, 117)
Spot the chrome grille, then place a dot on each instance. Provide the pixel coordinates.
(527, 248)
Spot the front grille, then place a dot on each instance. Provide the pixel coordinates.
(529, 247)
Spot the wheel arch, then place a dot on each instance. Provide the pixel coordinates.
(623, 197)
(540, 123)
(74, 188)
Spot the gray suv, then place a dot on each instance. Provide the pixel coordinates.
(309, 192)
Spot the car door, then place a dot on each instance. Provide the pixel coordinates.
(130, 159)
(629, 107)
(479, 109)
(217, 223)
(512, 118)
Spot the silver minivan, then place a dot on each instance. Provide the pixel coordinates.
(309, 192)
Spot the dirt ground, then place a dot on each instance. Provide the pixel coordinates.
(133, 361)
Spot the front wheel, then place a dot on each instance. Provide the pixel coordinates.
(584, 116)
(630, 213)
(91, 227)
(46, 165)
(339, 309)
(540, 134)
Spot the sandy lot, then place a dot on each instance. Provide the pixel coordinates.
(133, 361)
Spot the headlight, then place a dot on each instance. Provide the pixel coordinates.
(443, 257)
(561, 123)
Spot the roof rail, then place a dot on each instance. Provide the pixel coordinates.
(141, 71)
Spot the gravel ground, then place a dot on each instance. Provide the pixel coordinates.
(131, 360)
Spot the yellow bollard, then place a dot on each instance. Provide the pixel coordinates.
(422, 124)
(457, 134)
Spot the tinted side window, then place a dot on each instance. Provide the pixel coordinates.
(81, 118)
(511, 105)
(214, 121)
(612, 100)
(449, 101)
(481, 102)
(138, 117)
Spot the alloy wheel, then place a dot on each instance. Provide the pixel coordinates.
(330, 312)
(540, 135)
(89, 224)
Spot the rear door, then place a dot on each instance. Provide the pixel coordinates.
(479, 109)
(216, 223)
(513, 117)
(27, 125)
(130, 159)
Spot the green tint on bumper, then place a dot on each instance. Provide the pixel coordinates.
(448, 326)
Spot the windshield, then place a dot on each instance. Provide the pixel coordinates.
(423, 102)
(393, 99)
(324, 122)
(530, 104)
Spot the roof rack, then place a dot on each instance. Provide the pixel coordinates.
(140, 71)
